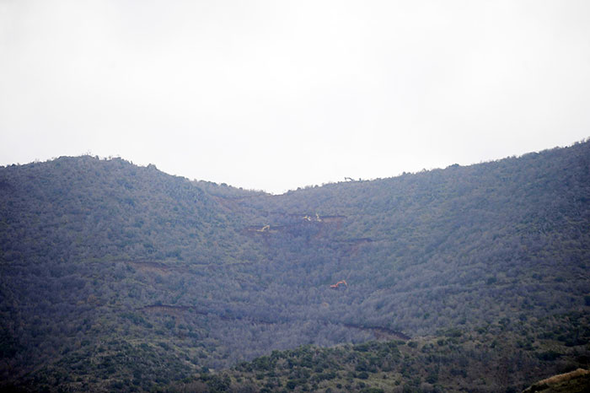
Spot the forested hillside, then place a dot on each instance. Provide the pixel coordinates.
(119, 277)
(485, 360)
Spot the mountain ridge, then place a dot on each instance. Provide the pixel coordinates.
(103, 261)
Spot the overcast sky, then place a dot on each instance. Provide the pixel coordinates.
(276, 95)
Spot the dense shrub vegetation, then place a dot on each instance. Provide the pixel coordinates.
(488, 360)
(119, 277)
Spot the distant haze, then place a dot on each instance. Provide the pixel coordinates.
(276, 95)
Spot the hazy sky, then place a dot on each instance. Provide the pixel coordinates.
(275, 95)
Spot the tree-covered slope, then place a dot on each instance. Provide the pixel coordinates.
(486, 360)
(86, 245)
(470, 244)
(114, 276)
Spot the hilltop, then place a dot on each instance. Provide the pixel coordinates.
(119, 277)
